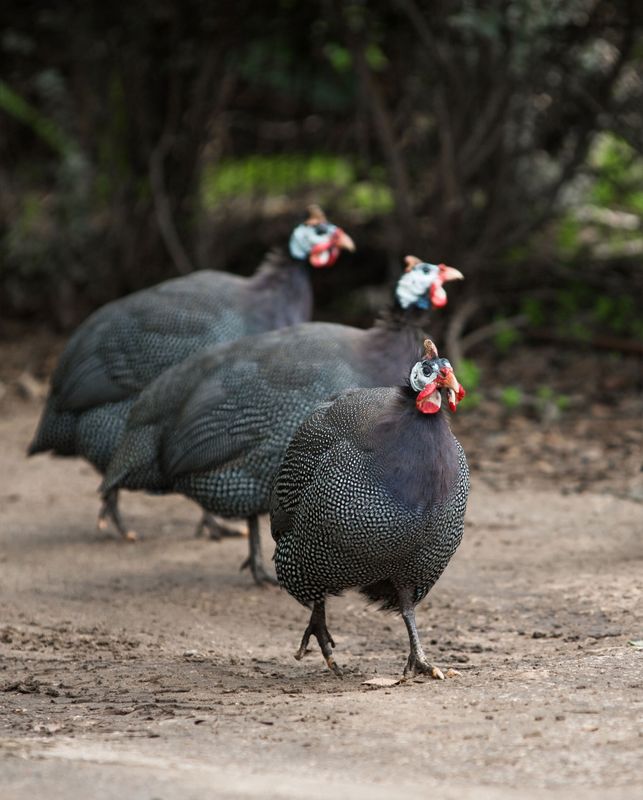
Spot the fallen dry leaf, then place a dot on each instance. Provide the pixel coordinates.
(379, 683)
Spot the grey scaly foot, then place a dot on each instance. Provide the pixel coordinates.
(417, 662)
(420, 666)
(109, 512)
(317, 628)
(255, 560)
(214, 529)
(261, 577)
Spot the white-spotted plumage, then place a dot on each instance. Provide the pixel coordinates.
(371, 495)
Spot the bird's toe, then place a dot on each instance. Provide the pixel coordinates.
(263, 578)
(334, 667)
(418, 666)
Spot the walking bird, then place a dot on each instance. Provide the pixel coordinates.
(372, 495)
(123, 346)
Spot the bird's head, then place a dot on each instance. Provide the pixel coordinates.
(422, 284)
(429, 377)
(317, 240)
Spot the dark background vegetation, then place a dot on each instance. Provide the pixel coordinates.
(142, 140)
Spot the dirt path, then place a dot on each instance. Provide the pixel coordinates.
(157, 670)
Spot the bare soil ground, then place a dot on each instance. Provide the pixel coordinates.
(157, 670)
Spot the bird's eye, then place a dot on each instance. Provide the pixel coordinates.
(426, 370)
(320, 230)
(425, 270)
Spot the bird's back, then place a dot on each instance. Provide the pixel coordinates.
(126, 344)
(219, 424)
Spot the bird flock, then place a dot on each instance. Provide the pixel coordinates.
(220, 388)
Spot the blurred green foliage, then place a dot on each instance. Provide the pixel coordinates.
(511, 397)
(619, 174)
(550, 403)
(506, 337)
(272, 175)
(469, 375)
(280, 174)
(500, 136)
(46, 129)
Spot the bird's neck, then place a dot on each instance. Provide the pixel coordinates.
(417, 452)
(395, 318)
(285, 286)
(279, 267)
(394, 344)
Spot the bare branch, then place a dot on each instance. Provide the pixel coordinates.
(163, 209)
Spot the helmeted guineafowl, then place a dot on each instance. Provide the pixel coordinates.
(215, 428)
(123, 346)
(372, 495)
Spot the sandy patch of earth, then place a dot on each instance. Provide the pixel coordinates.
(157, 670)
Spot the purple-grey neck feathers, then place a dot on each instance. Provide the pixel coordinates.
(416, 453)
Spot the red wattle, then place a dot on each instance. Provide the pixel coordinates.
(453, 401)
(437, 294)
(330, 247)
(422, 402)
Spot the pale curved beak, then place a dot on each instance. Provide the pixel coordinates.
(345, 242)
(455, 390)
(450, 273)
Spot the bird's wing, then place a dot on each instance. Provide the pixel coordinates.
(311, 441)
(252, 396)
(236, 404)
(82, 378)
(334, 441)
(217, 423)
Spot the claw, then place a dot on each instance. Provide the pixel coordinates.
(214, 529)
(303, 647)
(317, 628)
(109, 512)
(334, 666)
(415, 666)
(259, 574)
(262, 578)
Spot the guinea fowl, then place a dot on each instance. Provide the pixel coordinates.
(215, 428)
(123, 346)
(371, 495)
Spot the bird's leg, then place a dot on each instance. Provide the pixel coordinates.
(417, 662)
(255, 560)
(317, 627)
(109, 511)
(215, 530)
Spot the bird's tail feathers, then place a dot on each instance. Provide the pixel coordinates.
(135, 464)
(56, 431)
(384, 593)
